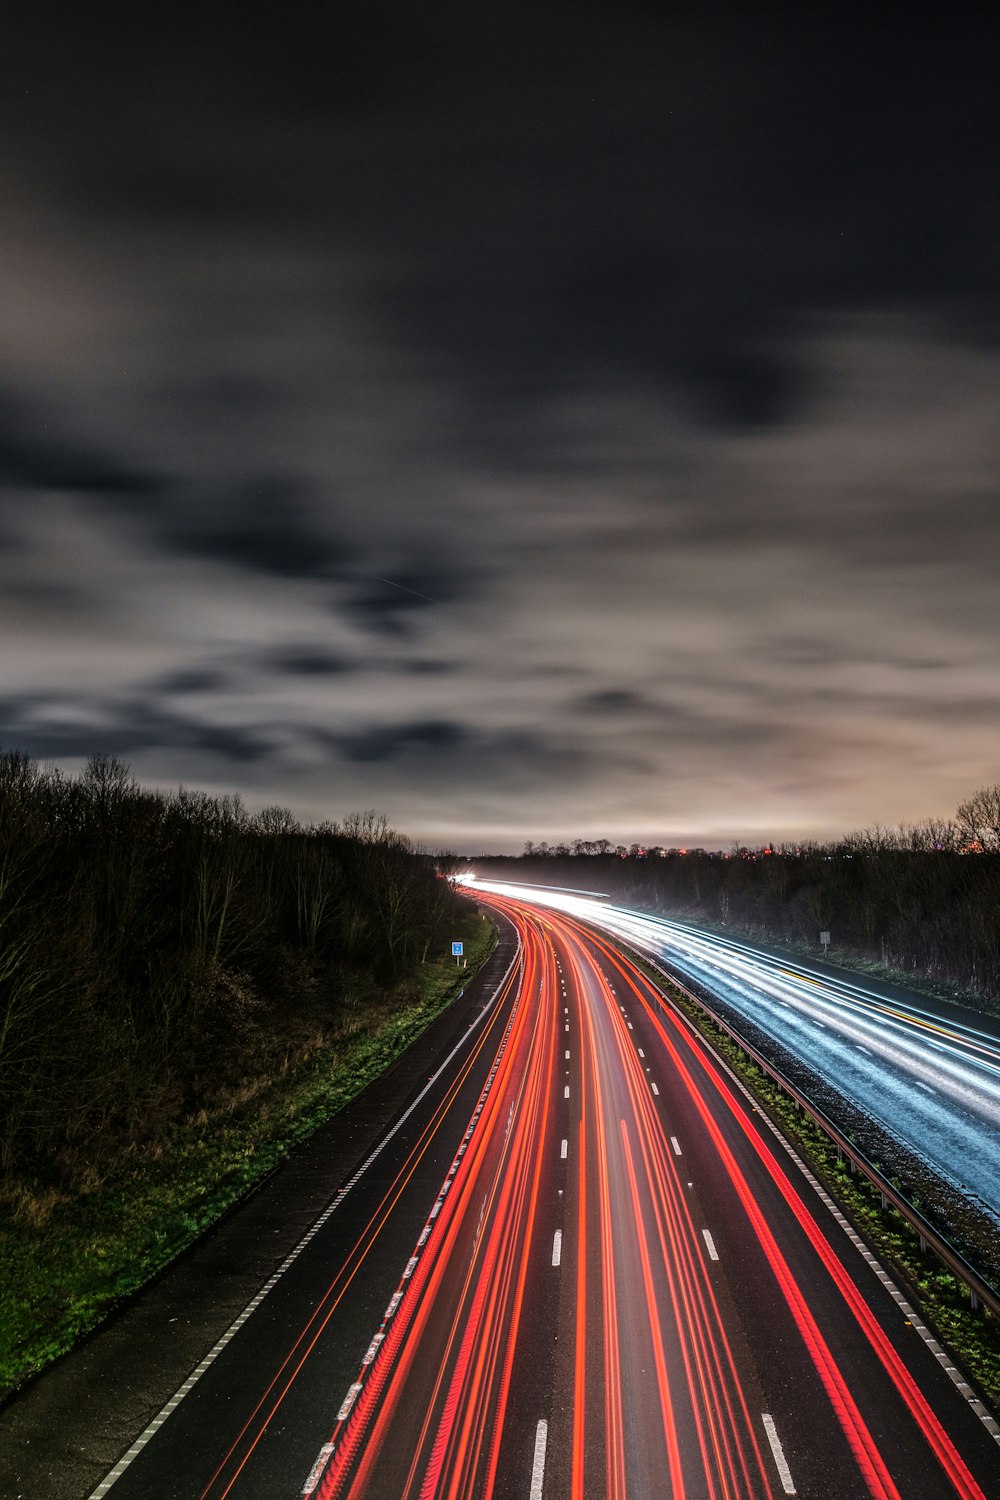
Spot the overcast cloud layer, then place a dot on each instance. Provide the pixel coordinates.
(532, 421)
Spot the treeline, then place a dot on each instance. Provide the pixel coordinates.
(157, 950)
(923, 898)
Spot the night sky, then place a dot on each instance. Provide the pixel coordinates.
(528, 420)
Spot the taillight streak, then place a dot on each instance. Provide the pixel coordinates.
(291, 1366)
(927, 1421)
(467, 1401)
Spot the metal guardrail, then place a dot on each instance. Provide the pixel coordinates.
(979, 1290)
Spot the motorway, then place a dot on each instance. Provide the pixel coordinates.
(926, 1074)
(581, 1264)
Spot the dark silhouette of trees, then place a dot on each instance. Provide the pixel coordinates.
(979, 820)
(918, 897)
(158, 949)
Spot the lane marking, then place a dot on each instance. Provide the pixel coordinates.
(925, 1086)
(566, 1092)
(317, 1469)
(780, 1461)
(538, 1462)
(862, 1049)
(557, 1247)
(348, 1402)
(640, 1052)
(676, 1145)
(567, 1054)
(449, 1180)
(564, 1150)
(653, 1087)
(985, 1417)
(149, 1432)
(713, 1254)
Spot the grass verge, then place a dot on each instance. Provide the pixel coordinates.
(67, 1263)
(971, 1335)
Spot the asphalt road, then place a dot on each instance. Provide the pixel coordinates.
(65, 1430)
(926, 1072)
(582, 1264)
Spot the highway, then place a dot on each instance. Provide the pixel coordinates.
(921, 1071)
(582, 1264)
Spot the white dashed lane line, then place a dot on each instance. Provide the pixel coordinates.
(780, 1462)
(713, 1254)
(908, 1312)
(538, 1461)
(557, 1247)
(676, 1145)
(653, 1087)
(564, 1150)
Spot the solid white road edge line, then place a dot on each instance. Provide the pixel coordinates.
(150, 1432)
(912, 1317)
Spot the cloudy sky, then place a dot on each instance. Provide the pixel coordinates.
(529, 420)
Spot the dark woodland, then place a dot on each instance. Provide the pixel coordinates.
(921, 898)
(158, 950)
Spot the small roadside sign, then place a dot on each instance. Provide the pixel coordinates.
(457, 949)
(824, 938)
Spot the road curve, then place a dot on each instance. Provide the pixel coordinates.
(926, 1075)
(587, 1267)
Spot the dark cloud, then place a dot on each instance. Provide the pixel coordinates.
(399, 741)
(393, 606)
(264, 527)
(309, 661)
(192, 680)
(611, 701)
(424, 666)
(68, 730)
(33, 459)
(489, 379)
(454, 761)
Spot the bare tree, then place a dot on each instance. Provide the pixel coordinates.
(979, 819)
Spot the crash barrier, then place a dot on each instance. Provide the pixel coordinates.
(980, 1291)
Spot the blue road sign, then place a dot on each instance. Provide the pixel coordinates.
(457, 949)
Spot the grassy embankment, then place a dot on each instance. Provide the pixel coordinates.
(971, 1335)
(68, 1262)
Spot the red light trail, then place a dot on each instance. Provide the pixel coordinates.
(622, 1286)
